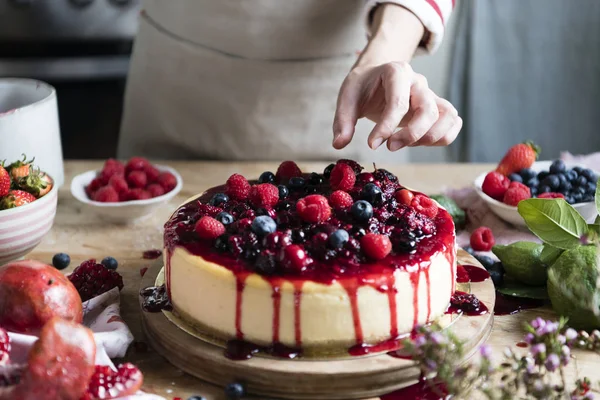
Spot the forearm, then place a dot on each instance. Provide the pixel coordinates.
(396, 34)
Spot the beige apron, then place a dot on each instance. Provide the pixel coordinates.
(243, 80)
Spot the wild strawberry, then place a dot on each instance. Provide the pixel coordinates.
(4, 347)
(119, 183)
(92, 279)
(167, 180)
(342, 177)
(237, 187)
(495, 185)
(209, 228)
(4, 181)
(136, 164)
(482, 239)
(515, 194)
(314, 208)
(137, 179)
(152, 173)
(155, 190)
(551, 195)
(16, 198)
(20, 169)
(424, 205)
(287, 170)
(404, 196)
(375, 246)
(340, 200)
(106, 194)
(107, 383)
(264, 195)
(518, 157)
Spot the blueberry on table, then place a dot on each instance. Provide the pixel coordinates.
(263, 225)
(218, 199)
(514, 177)
(591, 187)
(577, 197)
(578, 169)
(372, 193)
(362, 210)
(587, 198)
(61, 260)
(533, 182)
(533, 190)
(338, 239)
(283, 191)
(569, 199)
(234, 391)
(110, 263)
(224, 217)
(544, 189)
(527, 174)
(579, 190)
(266, 177)
(557, 166)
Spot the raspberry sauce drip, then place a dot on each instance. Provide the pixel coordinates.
(351, 287)
(419, 391)
(391, 293)
(508, 305)
(240, 284)
(297, 316)
(428, 284)
(471, 273)
(415, 276)
(276, 285)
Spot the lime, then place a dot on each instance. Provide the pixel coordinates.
(521, 261)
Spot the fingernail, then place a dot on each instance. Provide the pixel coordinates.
(335, 137)
(396, 145)
(376, 143)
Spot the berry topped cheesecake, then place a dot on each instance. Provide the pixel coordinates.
(342, 259)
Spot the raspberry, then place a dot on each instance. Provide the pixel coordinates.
(93, 187)
(482, 239)
(136, 164)
(106, 194)
(111, 168)
(237, 187)
(520, 186)
(295, 258)
(404, 196)
(340, 200)
(92, 279)
(152, 173)
(356, 167)
(495, 185)
(287, 170)
(137, 179)
(167, 180)
(207, 209)
(4, 347)
(264, 195)
(155, 190)
(209, 228)
(135, 194)
(514, 195)
(342, 177)
(424, 205)
(314, 208)
(375, 246)
(551, 195)
(119, 183)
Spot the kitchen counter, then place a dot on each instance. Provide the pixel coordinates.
(84, 236)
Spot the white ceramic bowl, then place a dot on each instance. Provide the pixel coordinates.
(22, 228)
(122, 212)
(510, 213)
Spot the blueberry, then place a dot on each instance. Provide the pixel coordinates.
(496, 272)
(557, 166)
(581, 181)
(544, 189)
(283, 191)
(224, 217)
(486, 261)
(515, 178)
(591, 187)
(338, 238)
(315, 179)
(533, 190)
(533, 182)
(296, 183)
(579, 190)
(61, 260)
(196, 398)
(110, 263)
(218, 199)
(263, 225)
(542, 175)
(587, 198)
(469, 250)
(362, 210)
(265, 264)
(527, 174)
(569, 199)
(577, 197)
(234, 391)
(565, 186)
(266, 177)
(572, 175)
(578, 169)
(327, 171)
(589, 174)
(372, 193)
(552, 181)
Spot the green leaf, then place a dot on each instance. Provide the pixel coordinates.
(550, 254)
(597, 221)
(598, 198)
(515, 289)
(595, 227)
(554, 221)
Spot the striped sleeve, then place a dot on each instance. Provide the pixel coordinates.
(432, 13)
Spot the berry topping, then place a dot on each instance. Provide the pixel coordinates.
(340, 200)
(92, 279)
(155, 190)
(294, 258)
(342, 177)
(264, 195)
(218, 200)
(296, 183)
(314, 208)
(4, 347)
(482, 239)
(315, 179)
(356, 167)
(237, 187)
(287, 170)
(266, 177)
(375, 246)
(466, 302)
(338, 239)
(362, 210)
(137, 179)
(372, 193)
(61, 261)
(404, 196)
(225, 218)
(263, 225)
(551, 195)
(107, 383)
(283, 191)
(209, 228)
(327, 171)
(106, 194)
(110, 263)
(425, 205)
(495, 185)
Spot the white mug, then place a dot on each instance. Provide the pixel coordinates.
(29, 125)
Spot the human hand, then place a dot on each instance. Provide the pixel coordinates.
(406, 111)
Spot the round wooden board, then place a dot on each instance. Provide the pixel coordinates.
(347, 378)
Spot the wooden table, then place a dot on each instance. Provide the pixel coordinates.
(84, 236)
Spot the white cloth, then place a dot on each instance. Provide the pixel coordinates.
(113, 337)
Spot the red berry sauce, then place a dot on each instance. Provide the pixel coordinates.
(419, 391)
(151, 254)
(415, 239)
(466, 303)
(155, 299)
(508, 305)
(471, 273)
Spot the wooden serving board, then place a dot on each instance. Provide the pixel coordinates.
(341, 378)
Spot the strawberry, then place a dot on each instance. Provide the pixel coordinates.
(518, 157)
(35, 183)
(16, 198)
(20, 169)
(49, 184)
(4, 181)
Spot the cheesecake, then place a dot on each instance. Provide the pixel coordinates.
(310, 262)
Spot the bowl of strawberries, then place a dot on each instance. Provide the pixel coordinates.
(519, 176)
(126, 192)
(28, 199)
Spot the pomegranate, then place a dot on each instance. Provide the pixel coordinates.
(107, 383)
(32, 293)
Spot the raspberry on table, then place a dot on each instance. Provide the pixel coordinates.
(106, 194)
(375, 246)
(340, 200)
(342, 177)
(209, 228)
(314, 208)
(237, 187)
(264, 195)
(167, 180)
(424, 205)
(287, 170)
(482, 239)
(495, 185)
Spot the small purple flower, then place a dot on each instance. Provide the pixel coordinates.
(431, 365)
(588, 396)
(561, 339)
(420, 341)
(538, 323)
(437, 338)
(571, 334)
(539, 348)
(486, 351)
(529, 338)
(552, 362)
(547, 328)
(584, 239)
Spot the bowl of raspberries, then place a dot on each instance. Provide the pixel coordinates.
(125, 192)
(519, 177)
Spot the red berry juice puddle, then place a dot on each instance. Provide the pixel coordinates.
(508, 305)
(419, 391)
(470, 273)
(152, 254)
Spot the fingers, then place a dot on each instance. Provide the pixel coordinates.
(397, 79)
(438, 134)
(346, 115)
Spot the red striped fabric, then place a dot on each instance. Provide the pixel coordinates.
(436, 7)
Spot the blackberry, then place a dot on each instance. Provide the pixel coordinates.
(382, 174)
(284, 206)
(221, 243)
(296, 183)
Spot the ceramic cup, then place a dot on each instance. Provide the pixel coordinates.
(29, 125)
